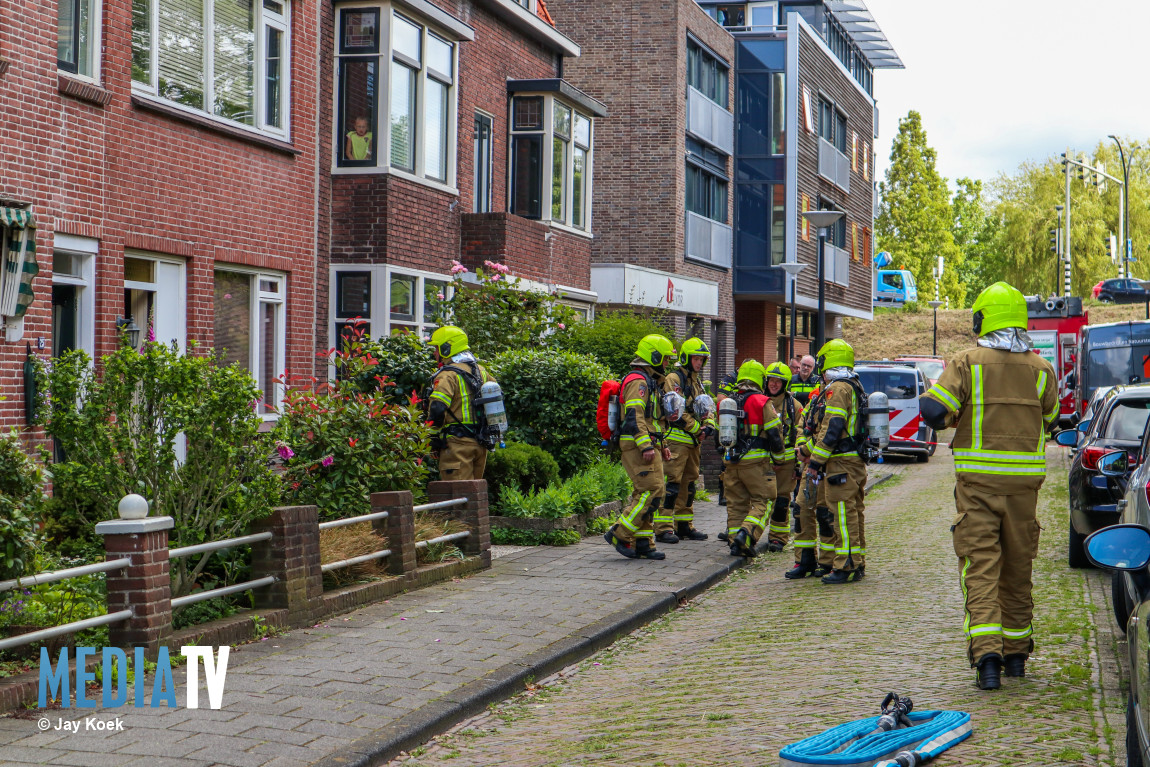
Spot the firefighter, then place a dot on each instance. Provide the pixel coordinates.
(727, 388)
(747, 465)
(814, 523)
(641, 444)
(778, 378)
(459, 443)
(805, 380)
(836, 459)
(675, 520)
(1003, 401)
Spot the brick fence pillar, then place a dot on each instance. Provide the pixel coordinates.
(144, 586)
(399, 527)
(291, 555)
(473, 514)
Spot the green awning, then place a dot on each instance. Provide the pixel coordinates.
(19, 268)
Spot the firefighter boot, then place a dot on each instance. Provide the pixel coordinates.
(1014, 665)
(643, 550)
(667, 537)
(723, 535)
(989, 670)
(742, 546)
(804, 567)
(620, 547)
(688, 533)
(842, 576)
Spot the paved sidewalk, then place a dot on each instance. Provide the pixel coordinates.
(357, 689)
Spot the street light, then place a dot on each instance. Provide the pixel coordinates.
(823, 220)
(1125, 206)
(934, 305)
(793, 268)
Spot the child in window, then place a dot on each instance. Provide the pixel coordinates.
(358, 143)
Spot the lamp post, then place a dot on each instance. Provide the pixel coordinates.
(1125, 206)
(792, 269)
(823, 220)
(934, 305)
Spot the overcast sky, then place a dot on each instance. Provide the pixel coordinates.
(998, 83)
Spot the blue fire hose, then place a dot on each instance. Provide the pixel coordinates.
(898, 739)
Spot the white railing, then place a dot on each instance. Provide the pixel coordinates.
(837, 265)
(222, 591)
(709, 122)
(834, 166)
(708, 240)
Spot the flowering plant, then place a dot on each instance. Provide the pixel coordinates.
(342, 440)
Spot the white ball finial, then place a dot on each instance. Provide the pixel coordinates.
(133, 506)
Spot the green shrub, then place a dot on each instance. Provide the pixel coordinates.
(551, 398)
(519, 465)
(340, 444)
(404, 359)
(612, 338)
(603, 481)
(600, 525)
(121, 432)
(21, 501)
(506, 536)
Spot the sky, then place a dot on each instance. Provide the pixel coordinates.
(998, 83)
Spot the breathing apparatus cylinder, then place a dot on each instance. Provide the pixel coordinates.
(728, 422)
(878, 419)
(613, 413)
(492, 398)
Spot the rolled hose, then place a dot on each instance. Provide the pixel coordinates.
(862, 744)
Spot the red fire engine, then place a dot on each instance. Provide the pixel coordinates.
(1055, 327)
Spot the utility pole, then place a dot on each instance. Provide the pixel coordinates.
(1066, 233)
(1124, 206)
(1067, 162)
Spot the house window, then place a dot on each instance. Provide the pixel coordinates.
(707, 74)
(73, 295)
(250, 329)
(833, 125)
(226, 58)
(386, 299)
(550, 148)
(409, 70)
(77, 36)
(154, 296)
(837, 232)
(706, 193)
(482, 162)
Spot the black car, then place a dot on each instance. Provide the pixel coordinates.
(1123, 292)
(1117, 424)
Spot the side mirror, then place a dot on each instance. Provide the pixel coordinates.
(1067, 438)
(1119, 547)
(1113, 464)
(1084, 426)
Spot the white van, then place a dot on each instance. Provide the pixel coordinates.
(902, 383)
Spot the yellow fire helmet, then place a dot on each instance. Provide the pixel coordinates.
(753, 371)
(836, 353)
(781, 371)
(449, 341)
(655, 350)
(999, 306)
(692, 347)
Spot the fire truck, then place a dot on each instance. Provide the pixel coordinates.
(1055, 326)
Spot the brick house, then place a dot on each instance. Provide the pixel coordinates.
(171, 179)
(448, 132)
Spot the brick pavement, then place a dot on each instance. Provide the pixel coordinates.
(760, 662)
(358, 682)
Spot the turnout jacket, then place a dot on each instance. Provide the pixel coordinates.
(452, 410)
(802, 389)
(688, 429)
(791, 417)
(1003, 404)
(836, 425)
(643, 418)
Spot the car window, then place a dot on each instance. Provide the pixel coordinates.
(1109, 367)
(894, 280)
(932, 369)
(895, 384)
(1127, 420)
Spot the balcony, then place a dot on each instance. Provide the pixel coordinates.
(837, 265)
(834, 166)
(709, 122)
(708, 241)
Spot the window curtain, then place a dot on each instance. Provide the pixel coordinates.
(18, 241)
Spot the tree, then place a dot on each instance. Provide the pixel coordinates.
(915, 220)
(976, 233)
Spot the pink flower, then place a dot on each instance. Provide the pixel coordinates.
(495, 277)
(457, 267)
(562, 326)
(439, 296)
(284, 451)
(327, 460)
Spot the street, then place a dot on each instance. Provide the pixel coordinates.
(759, 662)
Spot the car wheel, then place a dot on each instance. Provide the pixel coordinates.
(1133, 747)
(1122, 605)
(1105, 298)
(1077, 553)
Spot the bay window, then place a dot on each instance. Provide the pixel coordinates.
(250, 329)
(388, 59)
(550, 149)
(387, 300)
(225, 58)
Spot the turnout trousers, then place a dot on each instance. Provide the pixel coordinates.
(462, 459)
(996, 540)
(845, 481)
(638, 515)
(815, 528)
(682, 472)
(779, 529)
(750, 488)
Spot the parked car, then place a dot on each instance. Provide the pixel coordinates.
(1118, 424)
(1123, 291)
(931, 367)
(902, 383)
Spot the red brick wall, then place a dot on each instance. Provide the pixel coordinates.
(134, 178)
(523, 246)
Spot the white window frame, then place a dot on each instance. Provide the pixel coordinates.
(379, 323)
(154, 287)
(381, 130)
(95, 46)
(255, 352)
(548, 169)
(264, 18)
(85, 250)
